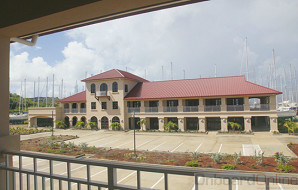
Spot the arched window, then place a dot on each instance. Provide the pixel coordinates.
(74, 121)
(93, 88)
(115, 119)
(115, 87)
(103, 87)
(94, 120)
(104, 123)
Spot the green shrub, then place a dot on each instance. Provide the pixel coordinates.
(140, 158)
(208, 165)
(171, 126)
(71, 145)
(115, 126)
(192, 163)
(228, 156)
(285, 168)
(237, 158)
(253, 166)
(83, 146)
(228, 167)
(195, 155)
(280, 158)
(60, 124)
(62, 150)
(92, 125)
(93, 149)
(234, 126)
(217, 157)
(49, 150)
(79, 125)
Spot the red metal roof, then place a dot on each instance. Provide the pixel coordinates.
(115, 73)
(79, 97)
(205, 87)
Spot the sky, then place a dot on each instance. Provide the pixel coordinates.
(197, 39)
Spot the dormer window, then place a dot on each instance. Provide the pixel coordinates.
(115, 86)
(93, 88)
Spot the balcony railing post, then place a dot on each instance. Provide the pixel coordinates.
(51, 174)
(20, 174)
(68, 175)
(138, 179)
(35, 170)
(112, 177)
(230, 184)
(166, 181)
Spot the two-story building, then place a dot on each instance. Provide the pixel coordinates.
(204, 104)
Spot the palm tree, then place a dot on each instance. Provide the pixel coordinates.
(142, 122)
(234, 125)
(291, 126)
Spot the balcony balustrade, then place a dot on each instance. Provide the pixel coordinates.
(66, 110)
(151, 109)
(74, 110)
(133, 110)
(83, 110)
(191, 108)
(212, 108)
(101, 93)
(235, 108)
(170, 109)
(259, 107)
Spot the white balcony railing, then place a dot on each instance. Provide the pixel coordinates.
(259, 107)
(151, 109)
(48, 178)
(235, 108)
(66, 110)
(133, 110)
(101, 93)
(170, 109)
(83, 110)
(212, 108)
(74, 110)
(191, 108)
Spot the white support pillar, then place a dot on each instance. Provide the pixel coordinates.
(181, 124)
(6, 142)
(224, 123)
(247, 123)
(273, 124)
(143, 126)
(161, 122)
(202, 124)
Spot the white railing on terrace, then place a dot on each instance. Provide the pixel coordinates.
(170, 109)
(132, 109)
(235, 108)
(66, 110)
(39, 178)
(259, 107)
(212, 108)
(151, 109)
(74, 110)
(83, 110)
(190, 108)
(101, 93)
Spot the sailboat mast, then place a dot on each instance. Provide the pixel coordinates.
(25, 94)
(53, 91)
(281, 89)
(292, 94)
(47, 88)
(275, 83)
(20, 99)
(246, 59)
(34, 94)
(38, 92)
(286, 97)
(295, 84)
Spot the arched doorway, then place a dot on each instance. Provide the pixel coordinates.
(115, 119)
(66, 121)
(94, 120)
(83, 119)
(74, 121)
(104, 123)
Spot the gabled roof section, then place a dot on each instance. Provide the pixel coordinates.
(115, 73)
(205, 87)
(79, 97)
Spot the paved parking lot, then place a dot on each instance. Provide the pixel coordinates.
(178, 142)
(246, 144)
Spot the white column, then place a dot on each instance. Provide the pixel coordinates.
(202, 124)
(224, 123)
(161, 122)
(247, 123)
(273, 124)
(181, 124)
(6, 141)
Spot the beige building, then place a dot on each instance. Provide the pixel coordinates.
(193, 104)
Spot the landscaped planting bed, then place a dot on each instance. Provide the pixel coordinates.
(25, 131)
(294, 148)
(56, 145)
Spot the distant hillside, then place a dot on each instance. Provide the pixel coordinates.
(14, 101)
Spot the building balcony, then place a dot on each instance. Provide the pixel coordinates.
(101, 93)
(66, 110)
(170, 109)
(133, 110)
(151, 109)
(83, 110)
(235, 108)
(212, 108)
(74, 110)
(259, 107)
(190, 108)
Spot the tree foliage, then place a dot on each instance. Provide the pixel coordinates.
(235, 125)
